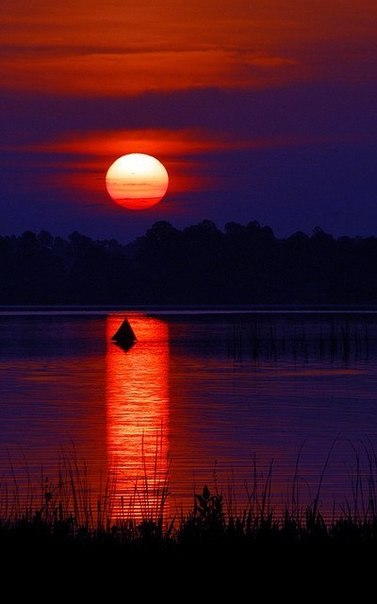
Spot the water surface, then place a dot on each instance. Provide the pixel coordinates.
(206, 398)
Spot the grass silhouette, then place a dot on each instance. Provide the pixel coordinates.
(264, 339)
(66, 512)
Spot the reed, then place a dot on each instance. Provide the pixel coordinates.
(265, 339)
(67, 511)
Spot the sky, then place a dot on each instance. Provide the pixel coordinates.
(259, 109)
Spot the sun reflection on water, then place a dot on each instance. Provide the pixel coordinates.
(137, 400)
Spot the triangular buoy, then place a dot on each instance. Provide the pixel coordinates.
(125, 336)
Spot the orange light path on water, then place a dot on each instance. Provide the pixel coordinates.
(137, 399)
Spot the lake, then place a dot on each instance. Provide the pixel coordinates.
(217, 398)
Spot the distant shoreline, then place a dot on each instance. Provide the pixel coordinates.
(168, 309)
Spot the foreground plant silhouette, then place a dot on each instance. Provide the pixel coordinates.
(63, 513)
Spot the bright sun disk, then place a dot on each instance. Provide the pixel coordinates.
(137, 181)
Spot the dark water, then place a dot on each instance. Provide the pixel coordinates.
(219, 394)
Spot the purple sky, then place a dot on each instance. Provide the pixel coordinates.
(260, 111)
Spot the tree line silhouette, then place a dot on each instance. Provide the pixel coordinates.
(200, 264)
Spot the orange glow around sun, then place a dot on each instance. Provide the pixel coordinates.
(137, 181)
(182, 170)
(182, 151)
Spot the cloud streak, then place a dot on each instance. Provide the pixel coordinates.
(118, 49)
(194, 158)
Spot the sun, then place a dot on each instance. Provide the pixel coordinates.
(137, 181)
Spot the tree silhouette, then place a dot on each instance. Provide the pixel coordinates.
(200, 264)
